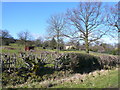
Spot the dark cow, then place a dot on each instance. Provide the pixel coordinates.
(28, 48)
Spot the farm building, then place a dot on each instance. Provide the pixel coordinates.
(70, 47)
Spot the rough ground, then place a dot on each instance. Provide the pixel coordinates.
(75, 78)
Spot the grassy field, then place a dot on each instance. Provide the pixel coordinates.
(107, 80)
(20, 48)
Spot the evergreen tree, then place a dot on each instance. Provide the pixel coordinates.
(53, 43)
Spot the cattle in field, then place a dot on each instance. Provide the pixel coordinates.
(28, 48)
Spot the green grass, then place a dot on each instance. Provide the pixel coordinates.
(10, 51)
(104, 81)
(49, 65)
(16, 49)
(20, 48)
(73, 51)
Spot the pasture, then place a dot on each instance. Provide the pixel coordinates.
(45, 68)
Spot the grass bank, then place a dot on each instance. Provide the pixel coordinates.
(96, 79)
(104, 79)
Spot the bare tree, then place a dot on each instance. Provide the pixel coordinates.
(24, 36)
(56, 27)
(113, 17)
(5, 37)
(86, 22)
(4, 34)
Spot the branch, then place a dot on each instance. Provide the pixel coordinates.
(97, 38)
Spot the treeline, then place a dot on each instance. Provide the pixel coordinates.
(97, 46)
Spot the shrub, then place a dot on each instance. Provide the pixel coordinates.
(79, 62)
(108, 62)
(85, 63)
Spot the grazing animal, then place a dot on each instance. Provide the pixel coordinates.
(27, 48)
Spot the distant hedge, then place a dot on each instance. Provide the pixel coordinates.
(108, 62)
(85, 63)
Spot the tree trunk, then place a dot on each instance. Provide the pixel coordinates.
(87, 45)
(86, 38)
(57, 40)
(57, 43)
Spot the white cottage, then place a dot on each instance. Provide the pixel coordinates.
(69, 47)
